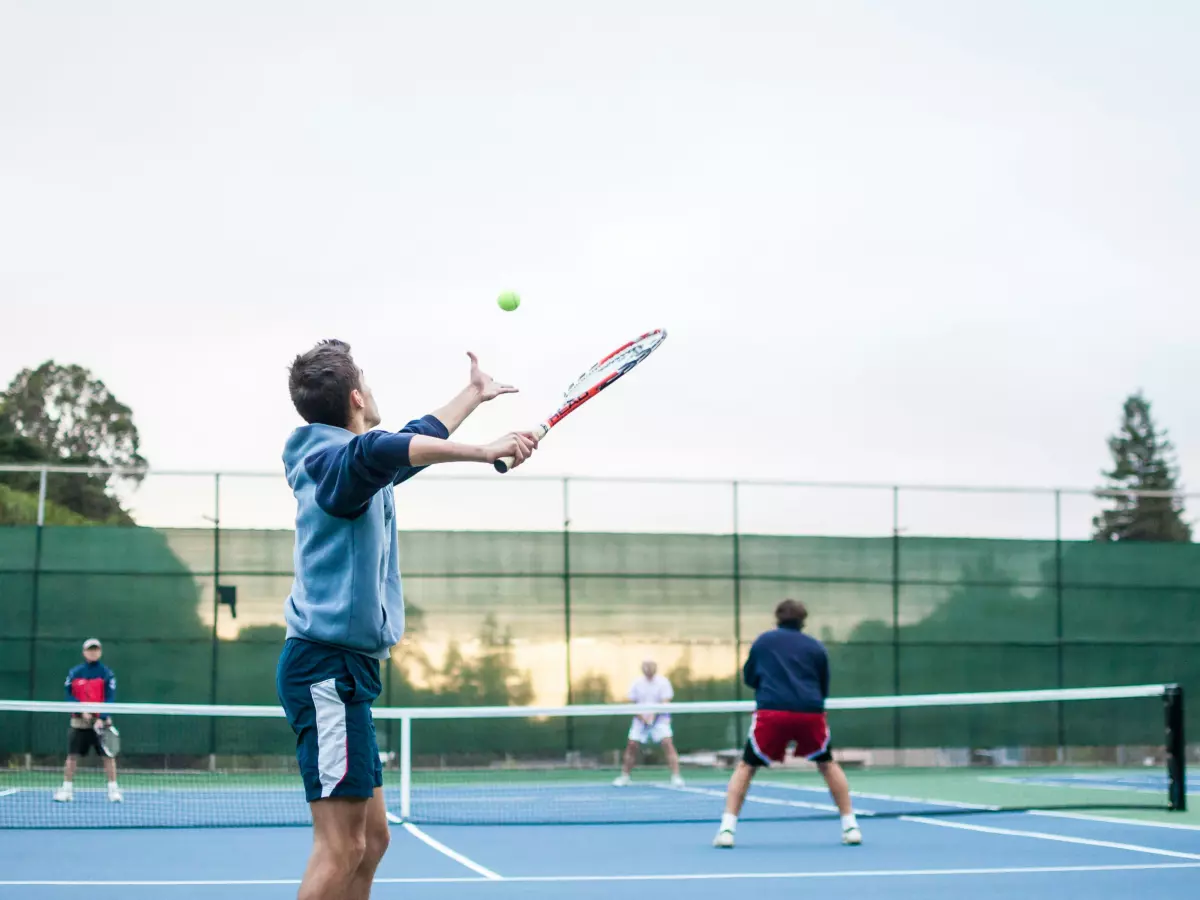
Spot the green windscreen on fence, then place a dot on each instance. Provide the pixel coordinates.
(489, 613)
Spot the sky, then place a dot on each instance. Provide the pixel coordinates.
(920, 242)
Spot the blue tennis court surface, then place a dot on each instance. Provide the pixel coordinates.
(1034, 855)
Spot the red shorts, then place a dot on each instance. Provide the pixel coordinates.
(771, 730)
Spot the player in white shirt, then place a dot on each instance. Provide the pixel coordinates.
(650, 689)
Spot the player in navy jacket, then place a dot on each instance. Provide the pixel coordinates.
(89, 682)
(789, 672)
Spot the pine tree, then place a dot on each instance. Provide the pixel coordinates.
(1143, 460)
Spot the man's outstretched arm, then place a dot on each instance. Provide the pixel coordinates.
(348, 476)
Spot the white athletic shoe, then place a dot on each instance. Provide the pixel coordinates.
(724, 840)
(621, 780)
(851, 837)
(115, 795)
(64, 795)
(676, 781)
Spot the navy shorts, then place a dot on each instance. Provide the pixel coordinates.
(327, 694)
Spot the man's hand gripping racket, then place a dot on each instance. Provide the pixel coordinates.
(592, 382)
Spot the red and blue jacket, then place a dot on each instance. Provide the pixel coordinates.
(91, 682)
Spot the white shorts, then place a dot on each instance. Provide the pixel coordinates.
(641, 733)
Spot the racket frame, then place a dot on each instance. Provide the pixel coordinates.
(576, 397)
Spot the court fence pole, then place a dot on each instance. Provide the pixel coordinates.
(896, 732)
(390, 733)
(405, 767)
(737, 606)
(566, 520)
(35, 591)
(216, 608)
(1059, 650)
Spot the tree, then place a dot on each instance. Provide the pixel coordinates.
(63, 414)
(592, 688)
(490, 678)
(1143, 460)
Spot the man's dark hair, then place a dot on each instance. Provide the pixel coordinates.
(791, 612)
(320, 382)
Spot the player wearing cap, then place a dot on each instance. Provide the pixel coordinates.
(89, 682)
(651, 689)
(789, 672)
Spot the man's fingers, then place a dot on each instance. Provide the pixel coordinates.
(505, 389)
(523, 446)
(520, 446)
(473, 358)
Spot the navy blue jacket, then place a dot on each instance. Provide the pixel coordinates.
(788, 670)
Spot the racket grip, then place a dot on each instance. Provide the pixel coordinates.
(504, 463)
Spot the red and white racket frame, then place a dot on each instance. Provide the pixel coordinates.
(581, 390)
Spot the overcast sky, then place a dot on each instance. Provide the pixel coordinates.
(915, 242)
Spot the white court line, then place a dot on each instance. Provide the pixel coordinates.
(1061, 783)
(1114, 820)
(892, 798)
(771, 801)
(393, 818)
(9, 792)
(1087, 817)
(690, 876)
(1045, 836)
(454, 854)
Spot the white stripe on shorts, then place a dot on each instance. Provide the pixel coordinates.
(766, 760)
(333, 760)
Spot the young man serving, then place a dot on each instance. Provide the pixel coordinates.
(346, 608)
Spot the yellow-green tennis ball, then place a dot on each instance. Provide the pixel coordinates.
(509, 301)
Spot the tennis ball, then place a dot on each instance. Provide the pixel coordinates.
(509, 301)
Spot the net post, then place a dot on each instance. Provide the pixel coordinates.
(1176, 749)
(405, 768)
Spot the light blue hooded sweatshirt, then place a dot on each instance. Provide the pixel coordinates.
(347, 589)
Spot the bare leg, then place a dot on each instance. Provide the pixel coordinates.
(339, 845)
(672, 755)
(839, 787)
(110, 768)
(739, 785)
(378, 837)
(631, 752)
(735, 798)
(69, 771)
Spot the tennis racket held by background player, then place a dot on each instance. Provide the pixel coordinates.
(594, 380)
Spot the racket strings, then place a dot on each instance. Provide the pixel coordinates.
(618, 362)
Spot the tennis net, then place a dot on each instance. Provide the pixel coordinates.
(195, 766)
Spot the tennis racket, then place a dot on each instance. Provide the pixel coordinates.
(594, 380)
(110, 739)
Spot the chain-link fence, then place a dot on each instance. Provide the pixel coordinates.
(554, 590)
